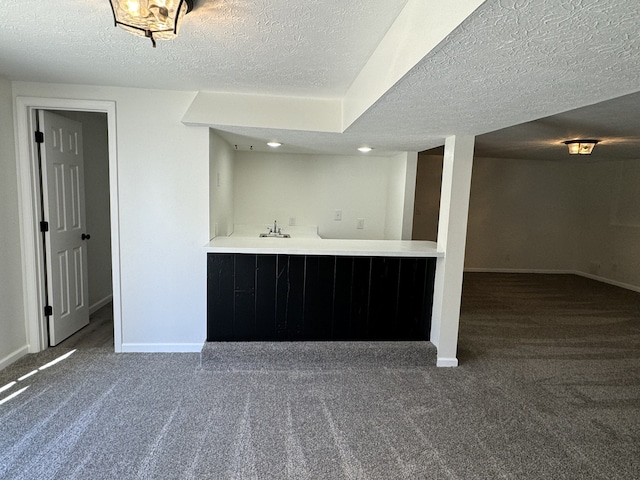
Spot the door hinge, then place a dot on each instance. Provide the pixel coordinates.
(48, 311)
(44, 226)
(39, 137)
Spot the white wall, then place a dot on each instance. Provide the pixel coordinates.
(401, 181)
(310, 188)
(522, 215)
(579, 216)
(427, 197)
(96, 180)
(395, 197)
(163, 192)
(610, 235)
(409, 193)
(221, 168)
(13, 338)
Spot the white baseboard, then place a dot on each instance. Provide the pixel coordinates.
(162, 347)
(447, 362)
(100, 303)
(520, 270)
(609, 281)
(12, 357)
(597, 278)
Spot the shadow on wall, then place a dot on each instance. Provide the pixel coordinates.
(427, 198)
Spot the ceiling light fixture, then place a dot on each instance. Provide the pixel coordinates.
(274, 144)
(365, 149)
(580, 147)
(154, 19)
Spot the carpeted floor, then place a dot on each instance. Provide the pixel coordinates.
(548, 388)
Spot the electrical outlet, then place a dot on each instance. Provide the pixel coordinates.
(360, 224)
(292, 221)
(337, 215)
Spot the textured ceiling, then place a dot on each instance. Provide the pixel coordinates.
(615, 123)
(254, 46)
(511, 62)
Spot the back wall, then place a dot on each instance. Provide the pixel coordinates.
(310, 188)
(579, 216)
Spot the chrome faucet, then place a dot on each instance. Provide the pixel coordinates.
(275, 231)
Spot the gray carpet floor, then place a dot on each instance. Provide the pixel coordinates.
(548, 388)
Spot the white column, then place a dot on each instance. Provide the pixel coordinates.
(452, 234)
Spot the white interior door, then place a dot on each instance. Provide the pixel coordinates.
(64, 210)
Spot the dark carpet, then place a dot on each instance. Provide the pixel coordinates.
(548, 387)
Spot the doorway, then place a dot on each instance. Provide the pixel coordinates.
(33, 261)
(94, 221)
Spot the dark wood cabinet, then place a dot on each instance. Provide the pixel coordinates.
(314, 297)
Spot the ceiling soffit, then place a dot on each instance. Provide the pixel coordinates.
(511, 62)
(406, 43)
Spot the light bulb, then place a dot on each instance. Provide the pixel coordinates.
(133, 7)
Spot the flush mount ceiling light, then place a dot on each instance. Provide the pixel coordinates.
(365, 149)
(580, 147)
(274, 144)
(154, 19)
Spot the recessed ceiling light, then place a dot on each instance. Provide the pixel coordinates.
(365, 149)
(274, 144)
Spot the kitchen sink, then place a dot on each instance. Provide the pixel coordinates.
(275, 235)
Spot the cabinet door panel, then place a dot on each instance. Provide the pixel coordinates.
(383, 316)
(411, 296)
(360, 298)
(220, 298)
(266, 328)
(244, 315)
(290, 297)
(294, 307)
(342, 293)
(318, 297)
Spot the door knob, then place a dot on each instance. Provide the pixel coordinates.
(85, 236)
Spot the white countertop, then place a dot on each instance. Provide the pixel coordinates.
(305, 245)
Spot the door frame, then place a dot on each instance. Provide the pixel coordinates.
(33, 268)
